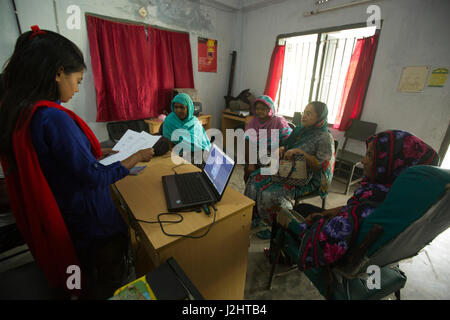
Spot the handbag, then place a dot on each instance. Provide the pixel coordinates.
(292, 172)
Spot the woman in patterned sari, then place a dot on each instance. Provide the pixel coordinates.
(266, 120)
(312, 139)
(325, 236)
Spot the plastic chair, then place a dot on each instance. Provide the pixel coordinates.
(385, 239)
(316, 193)
(360, 131)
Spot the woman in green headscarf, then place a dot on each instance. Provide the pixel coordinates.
(182, 117)
(312, 139)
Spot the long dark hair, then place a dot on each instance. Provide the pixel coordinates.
(29, 76)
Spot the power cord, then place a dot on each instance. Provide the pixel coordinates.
(180, 220)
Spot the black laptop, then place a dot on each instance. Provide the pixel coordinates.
(195, 189)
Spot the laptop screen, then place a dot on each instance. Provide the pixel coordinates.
(218, 168)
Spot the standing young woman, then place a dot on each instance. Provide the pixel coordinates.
(58, 190)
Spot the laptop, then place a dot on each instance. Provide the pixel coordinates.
(195, 189)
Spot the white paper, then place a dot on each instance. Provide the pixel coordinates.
(130, 143)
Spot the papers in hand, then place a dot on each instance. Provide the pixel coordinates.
(130, 143)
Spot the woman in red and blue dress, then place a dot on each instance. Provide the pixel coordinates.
(59, 191)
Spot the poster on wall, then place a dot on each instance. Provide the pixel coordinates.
(207, 55)
(438, 77)
(413, 79)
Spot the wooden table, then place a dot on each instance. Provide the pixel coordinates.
(216, 263)
(205, 120)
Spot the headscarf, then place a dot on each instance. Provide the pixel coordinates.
(198, 138)
(275, 122)
(301, 133)
(34, 207)
(326, 240)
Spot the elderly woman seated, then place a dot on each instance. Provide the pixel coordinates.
(325, 236)
(311, 139)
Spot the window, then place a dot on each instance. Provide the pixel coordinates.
(315, 66)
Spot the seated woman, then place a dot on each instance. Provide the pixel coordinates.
(265, 119)
(182, 117)
(312, 139)
(325, 236)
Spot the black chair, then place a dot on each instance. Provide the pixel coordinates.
(160, 130)
(316, 193)
(117, 129)
(347, 161)
(10, 237)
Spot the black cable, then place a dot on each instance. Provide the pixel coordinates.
(177, 214)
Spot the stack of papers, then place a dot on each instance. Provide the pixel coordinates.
(130, 143)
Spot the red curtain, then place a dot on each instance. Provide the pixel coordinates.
(275, 71)
(356, 82)
(134, 70)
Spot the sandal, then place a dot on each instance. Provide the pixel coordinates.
(265, 234)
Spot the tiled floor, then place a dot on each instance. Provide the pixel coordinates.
(428, 273)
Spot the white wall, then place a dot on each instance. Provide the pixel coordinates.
(182, 15)
(414, 33)
(9, 31)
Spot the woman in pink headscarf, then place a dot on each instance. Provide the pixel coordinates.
(264, 120)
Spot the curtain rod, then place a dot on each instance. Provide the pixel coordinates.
(17, 16)
(132, 22)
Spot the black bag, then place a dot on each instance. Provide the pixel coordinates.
(162, 146)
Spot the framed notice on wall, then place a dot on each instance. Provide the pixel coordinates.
(207, 55)
(413, 79)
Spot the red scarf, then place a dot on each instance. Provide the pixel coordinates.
(34, 207)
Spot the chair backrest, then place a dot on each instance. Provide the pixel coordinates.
(160, 130)
(420, 233)
(360, 130)
(297, 119)
(415, 211)
(117, 129)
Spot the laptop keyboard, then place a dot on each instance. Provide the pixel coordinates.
(191, 188)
